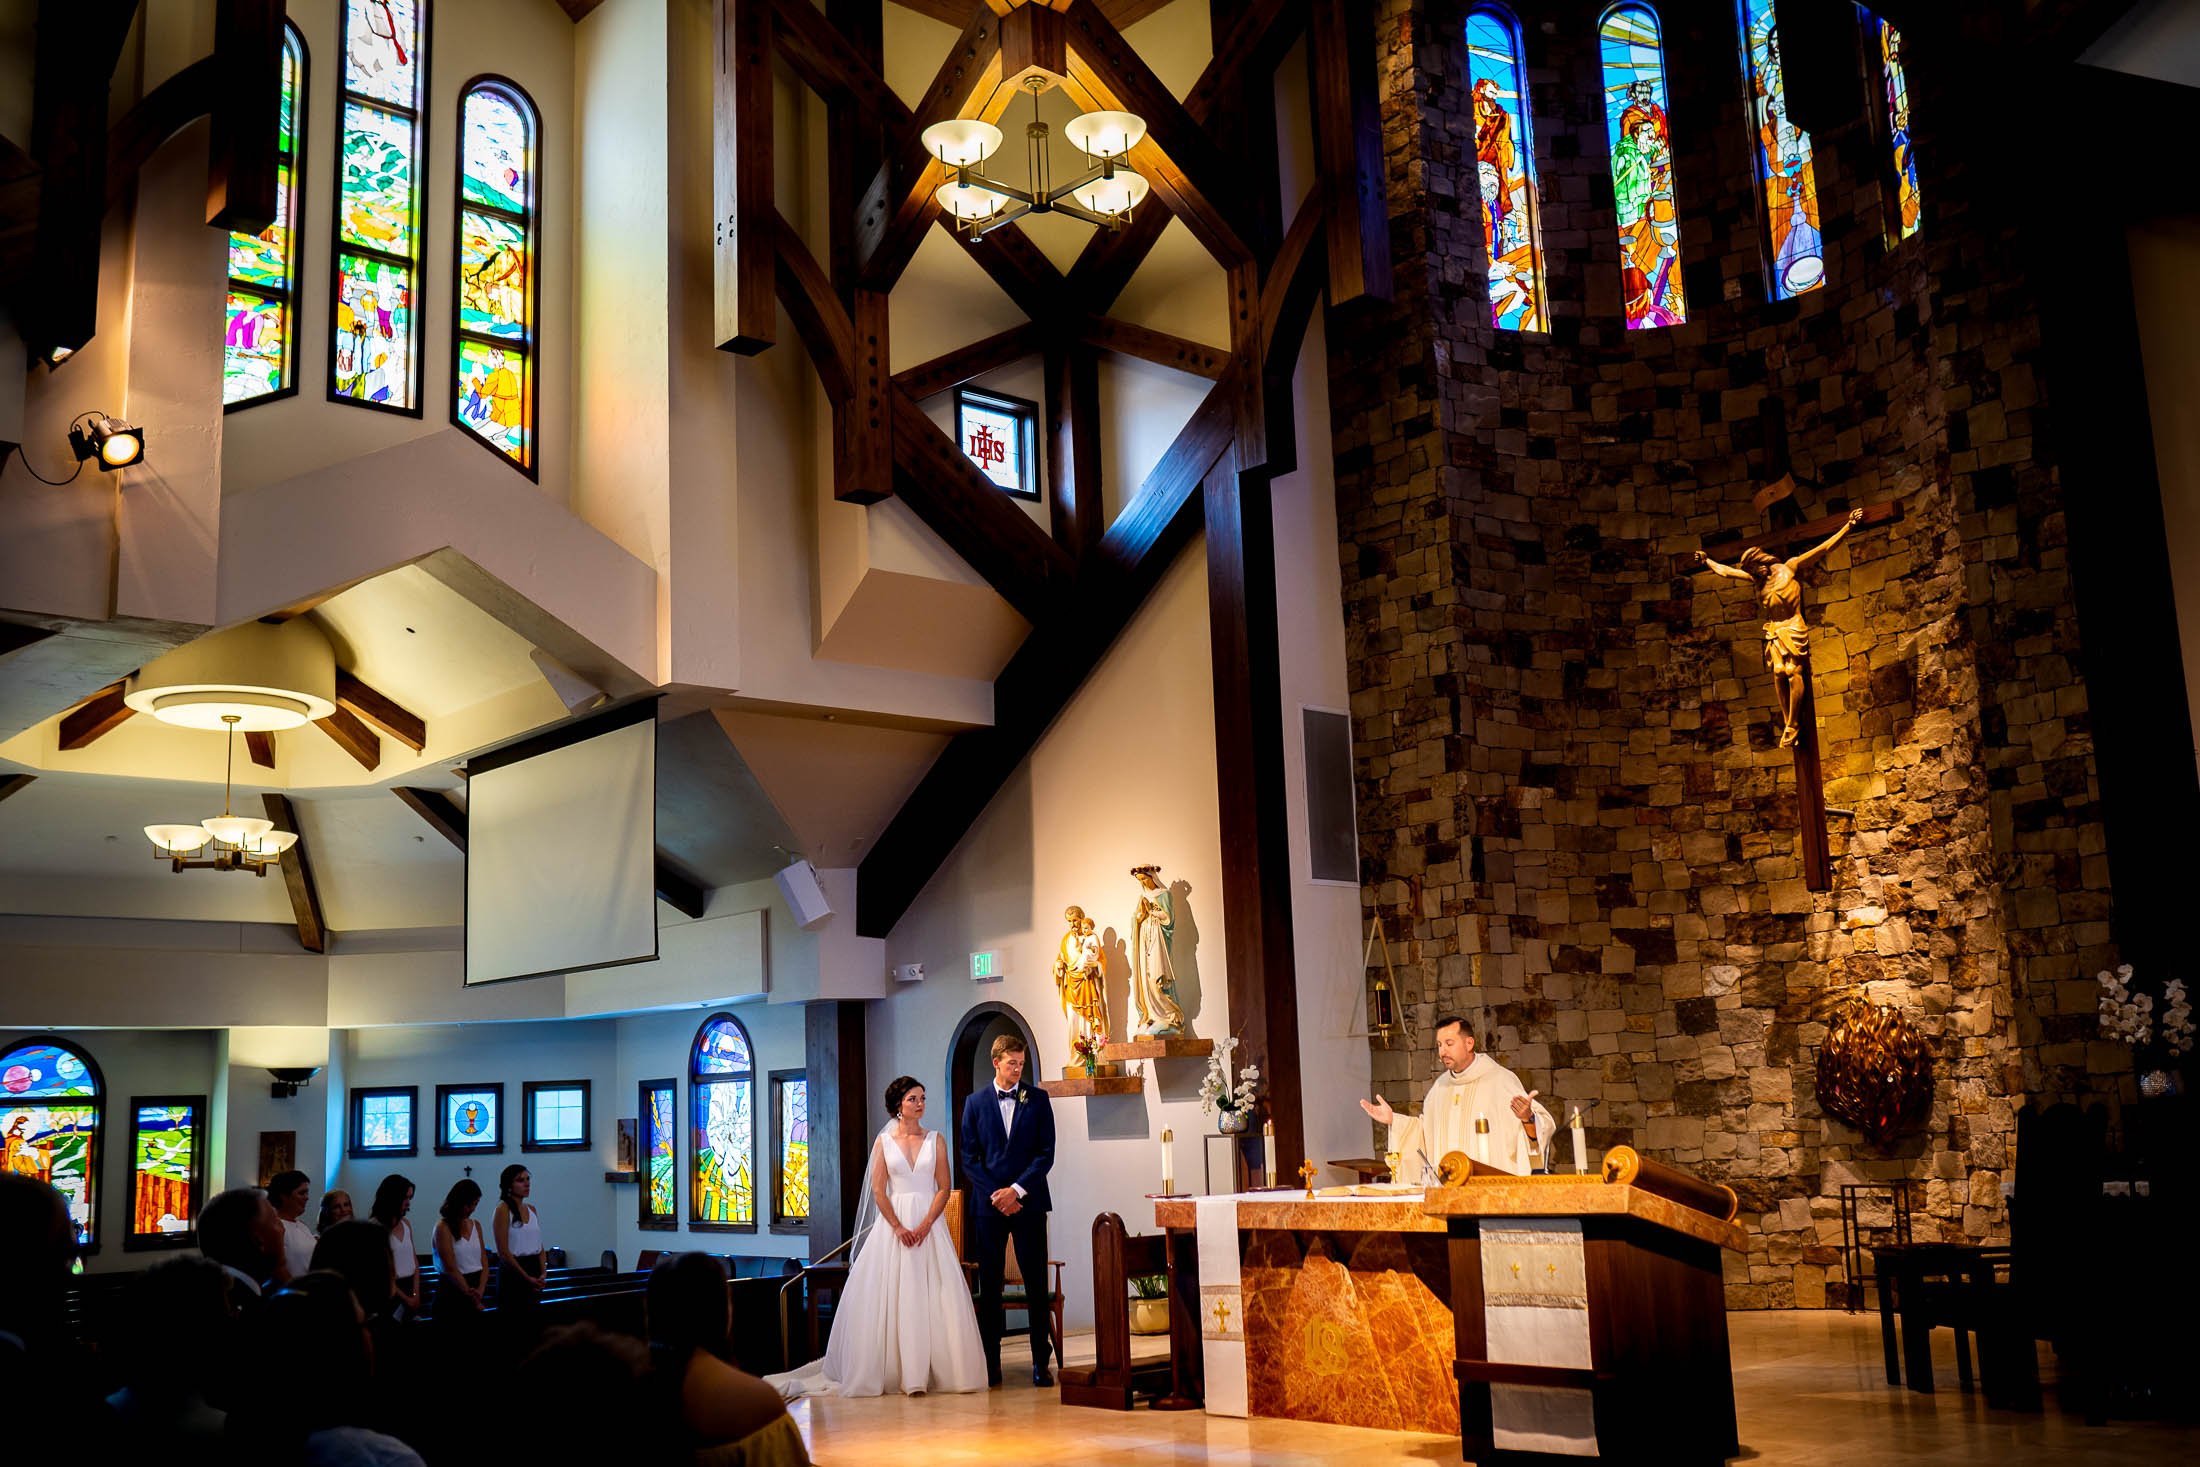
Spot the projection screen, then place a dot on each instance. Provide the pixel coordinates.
(561, 850)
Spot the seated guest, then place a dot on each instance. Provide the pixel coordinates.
(519, 1240)
(360, 1252)
(313, 1377)
(393, 1201)
(729, 1417)
(335, 1208)
(589, 1401)
(39, 1243)
(287, 1192)
(460, 1276)
(240, 1231)
(162, 1413)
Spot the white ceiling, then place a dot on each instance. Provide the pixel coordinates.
(414, 639)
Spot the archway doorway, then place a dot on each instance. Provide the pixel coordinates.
(970, 1063)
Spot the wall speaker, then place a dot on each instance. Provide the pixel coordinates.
(909, 973)
(804, 897)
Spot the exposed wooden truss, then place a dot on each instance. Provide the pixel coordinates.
(297, 863)
(1080, 585)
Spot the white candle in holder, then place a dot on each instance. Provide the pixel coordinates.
(1168, 1162)
(1268, 1152)
(1581, 1143)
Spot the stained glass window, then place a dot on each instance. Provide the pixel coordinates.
(382, 1120)
(660, 1187)
(791, 1147)
(258, 344)
(1504, 152)
(167, 1170)
(51, 1093)
(722, 1142)
(1782, 153)
(1641, 137)
(1908, 201)
(557, 1115)
(496, 270)
(469, 1118)
(999, 434)
(381, 155)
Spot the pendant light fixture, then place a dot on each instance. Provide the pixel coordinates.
(1104, 195)
(232, 842)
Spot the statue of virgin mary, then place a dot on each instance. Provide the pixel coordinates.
(1153, 969)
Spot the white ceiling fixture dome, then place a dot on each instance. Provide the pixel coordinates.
(266, 677)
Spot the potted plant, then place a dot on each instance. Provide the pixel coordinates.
(1150, 1304)
(1230, 1104)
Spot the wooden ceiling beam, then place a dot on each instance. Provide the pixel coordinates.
(1073, 446)
(954, 368)
(297, 863)
(678, 890)
(1348, 152)
(15, 784)
(242, 157)
(948, 12)
(1128, 339)
(94, 718)
(863, 458)
(407, 727)
(819, 317)
(897, 204)
(1178, 156)
(438, 809)
(979, 523)
(259, 746)
(744, 248)
(352, 736)
(74, 55)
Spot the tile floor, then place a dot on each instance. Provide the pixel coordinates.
(1809, 1386)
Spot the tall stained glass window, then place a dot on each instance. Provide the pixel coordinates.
(1504, 153)
(497, 240)
(1908, 202)
(659, 1144)
(50, 1098)
(374, 351)
(722, 1139)
(1642, 166)
(791, 1149)
(167, 1170)
(258, 345)
(1782, 152)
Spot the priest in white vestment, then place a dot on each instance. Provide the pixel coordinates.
(1471, 1086)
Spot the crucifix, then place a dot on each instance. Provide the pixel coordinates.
(1787, 653)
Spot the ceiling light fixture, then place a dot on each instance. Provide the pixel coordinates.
(1105, 195)
(254, 677)
(233, 842)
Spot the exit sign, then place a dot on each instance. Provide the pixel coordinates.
(985, 967)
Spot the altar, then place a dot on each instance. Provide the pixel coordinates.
(1536, 1318)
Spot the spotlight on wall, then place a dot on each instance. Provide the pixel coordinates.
(288, 1079)
(114, 443)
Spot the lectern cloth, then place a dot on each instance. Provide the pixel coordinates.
(1535, 1311)
(1221, 1306)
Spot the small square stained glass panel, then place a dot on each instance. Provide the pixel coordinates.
(994, 441)
(557, 1116)
(385, 1122)
(470, 1120)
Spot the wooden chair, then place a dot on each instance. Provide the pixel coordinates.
(1112, 1381)
(1014, 1294)
(610, 1261)
(648, 1259)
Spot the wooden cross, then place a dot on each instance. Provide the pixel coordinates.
(1306, 1175)
(1222, 1316)
(1810, 785)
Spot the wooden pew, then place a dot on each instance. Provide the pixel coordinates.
(1113, 1380)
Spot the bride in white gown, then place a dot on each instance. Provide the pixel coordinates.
(905, 1321)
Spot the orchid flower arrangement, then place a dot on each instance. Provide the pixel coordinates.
(1217, 1092)
(2126, 1017)
(2176, 1018)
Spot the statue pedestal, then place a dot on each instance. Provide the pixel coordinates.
(1102, 1072)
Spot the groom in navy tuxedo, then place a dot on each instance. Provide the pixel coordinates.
(1007, 1147)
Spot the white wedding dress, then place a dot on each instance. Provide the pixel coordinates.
(905, 1321)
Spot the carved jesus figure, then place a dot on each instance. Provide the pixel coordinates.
(1787, 635)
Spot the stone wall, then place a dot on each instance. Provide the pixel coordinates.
(1573, 809)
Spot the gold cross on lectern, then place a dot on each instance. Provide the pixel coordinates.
(1222, 1315)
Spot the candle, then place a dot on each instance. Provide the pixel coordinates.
(1168, 1162)
(1482, 1139)
(1581, 1143)
(1268, 1152)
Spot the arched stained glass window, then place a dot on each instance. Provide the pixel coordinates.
(1642, 166)
(722, 1133)
(497, 240)
(1504, 152)
(50, 1124)
(259, 344)
(381, 160)
(1908, 201)
(1782, 152)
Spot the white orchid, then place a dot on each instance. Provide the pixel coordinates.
(2176, 1018)
(1216, 1089)
(2125, 1017)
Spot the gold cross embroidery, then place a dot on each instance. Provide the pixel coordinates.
(1516, 1270)
(1552, 1270)
(1222, 1316)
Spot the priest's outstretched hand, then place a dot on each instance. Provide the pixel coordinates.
(1522, 1104)
(1380, 1110)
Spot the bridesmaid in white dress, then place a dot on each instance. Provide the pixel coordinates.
(905, 1321)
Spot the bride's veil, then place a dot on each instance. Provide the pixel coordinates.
(867, 1211)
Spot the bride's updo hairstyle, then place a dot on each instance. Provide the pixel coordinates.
(897, 1092)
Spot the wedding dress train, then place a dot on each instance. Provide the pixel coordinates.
(905, 1321)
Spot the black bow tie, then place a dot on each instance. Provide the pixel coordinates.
(1000, 1094)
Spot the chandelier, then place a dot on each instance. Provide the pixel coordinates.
(1105, 195)
(232, 842)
